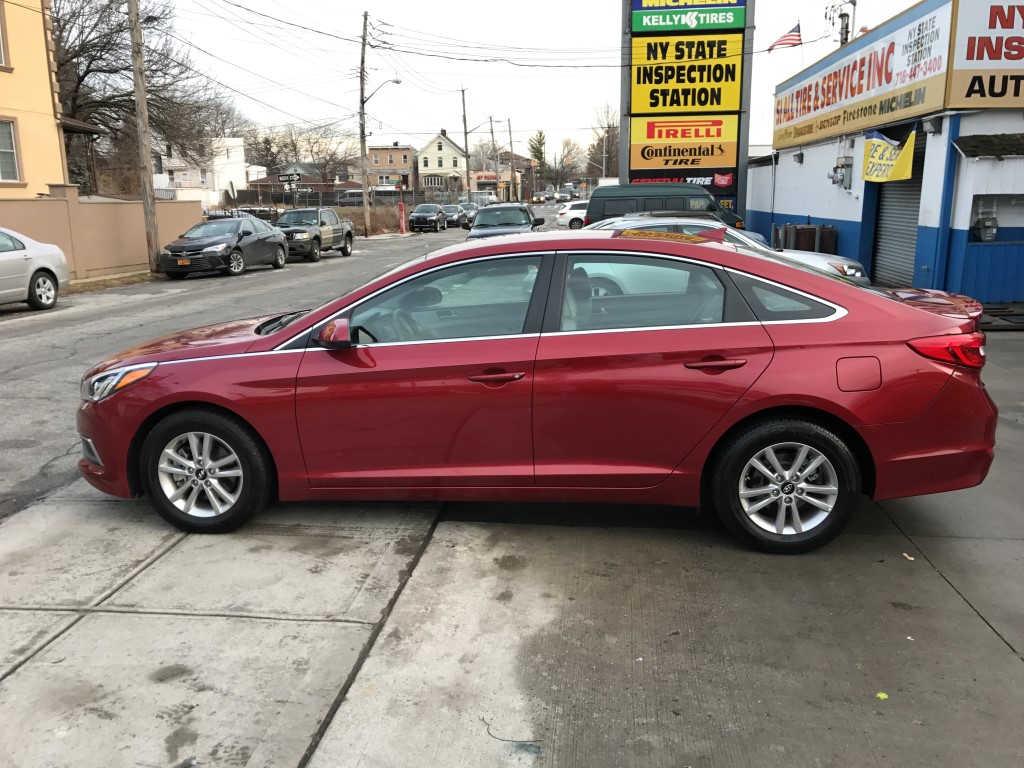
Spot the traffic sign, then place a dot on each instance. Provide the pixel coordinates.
(286, 177)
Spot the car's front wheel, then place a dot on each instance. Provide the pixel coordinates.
(279, 257)
(236, 263)
(314, 251)
(786, 485)
(205, 472)
(437, 225)
(42, 291)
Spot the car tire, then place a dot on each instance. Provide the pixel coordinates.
(236, 263)
(602, 286)
(42, 291)
(444, 224)
(346, 246)
(787, 512)
(176, 275)
(437, 226)
(576, 224)
(203, 440)
(314, 251)
(279, 258)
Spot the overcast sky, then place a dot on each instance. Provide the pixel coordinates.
(547, 65)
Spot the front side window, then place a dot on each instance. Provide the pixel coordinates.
(8, 152)
(478, 299)
(613, 292)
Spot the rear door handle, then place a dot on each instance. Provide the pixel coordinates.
(497, 378)
(718, 365)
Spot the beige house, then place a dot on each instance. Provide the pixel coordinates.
(31, 139)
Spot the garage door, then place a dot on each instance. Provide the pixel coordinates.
(899, 204)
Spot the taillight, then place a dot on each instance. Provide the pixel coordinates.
(960, 349)
(586, 220)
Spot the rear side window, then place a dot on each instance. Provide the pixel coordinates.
(773, 303)
(619, 206)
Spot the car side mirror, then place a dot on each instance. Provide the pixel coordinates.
(335, 335)
(323, 223)
(465, 225)
(538, 222)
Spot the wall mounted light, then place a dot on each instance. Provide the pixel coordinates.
(799, 157)
(932, 125)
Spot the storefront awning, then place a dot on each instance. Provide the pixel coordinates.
(998, 145)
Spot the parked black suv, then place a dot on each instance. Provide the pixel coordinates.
(428, 216)
(312, 230)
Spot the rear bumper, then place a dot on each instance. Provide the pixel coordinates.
(949, 447)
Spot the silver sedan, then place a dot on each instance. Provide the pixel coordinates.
(30, 271)
(851, 269)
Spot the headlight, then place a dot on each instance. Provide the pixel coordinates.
(165, 252)
(847, 270)
(103, 385)
(300, 236)
(216, 248)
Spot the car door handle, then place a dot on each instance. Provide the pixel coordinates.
(443, 314)
(715, 365)
(496, 378)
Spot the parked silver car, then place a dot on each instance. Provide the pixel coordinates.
(30, 271)
(851, 269)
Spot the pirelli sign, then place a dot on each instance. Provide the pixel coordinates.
(695, 141)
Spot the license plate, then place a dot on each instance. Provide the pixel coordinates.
(184, 262)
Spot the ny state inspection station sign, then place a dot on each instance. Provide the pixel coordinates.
(683, 74)
(687, 15)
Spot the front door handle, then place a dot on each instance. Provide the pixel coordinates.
(496, 378)
(715, 365)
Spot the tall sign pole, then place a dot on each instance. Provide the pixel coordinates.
(145, 145)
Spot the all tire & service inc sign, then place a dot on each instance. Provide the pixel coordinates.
(686, 100)
(940, 54)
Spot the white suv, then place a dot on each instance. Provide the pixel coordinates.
(571, 215)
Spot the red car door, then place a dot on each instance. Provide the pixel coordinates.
(627, 382)
(438, 391)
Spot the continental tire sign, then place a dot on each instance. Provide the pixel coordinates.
(683, 142)
(695, 73)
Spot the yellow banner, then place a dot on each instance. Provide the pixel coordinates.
(691, 73)
(885, 160)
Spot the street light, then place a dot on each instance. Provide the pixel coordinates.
(362, 145)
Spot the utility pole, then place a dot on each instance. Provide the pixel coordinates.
(142, 132)
(512, 165)
(465, 138)
(494, 146)
(362, 126)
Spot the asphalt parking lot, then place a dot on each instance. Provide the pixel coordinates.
(496, 634)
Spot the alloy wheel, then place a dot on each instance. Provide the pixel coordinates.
(200, 474)
(788, 488)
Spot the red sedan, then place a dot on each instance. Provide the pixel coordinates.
(774, 394)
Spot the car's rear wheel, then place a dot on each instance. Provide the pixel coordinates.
(314, 251)
(576, 224)
(279, 257)
(236, 263)
(786, 486)
(346, 246)
(42, 291)
(205, 472)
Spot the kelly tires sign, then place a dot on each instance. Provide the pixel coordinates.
(687, 15)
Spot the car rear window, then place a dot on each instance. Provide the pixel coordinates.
(773, 303)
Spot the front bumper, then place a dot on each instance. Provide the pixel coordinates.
(104, 449)
(299, 247)
(192, 262)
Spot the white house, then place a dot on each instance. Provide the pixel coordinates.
(441, 165)
(226, 172)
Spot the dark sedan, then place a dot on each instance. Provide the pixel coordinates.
(427, 216)
(503, 219)
(226, 245)
(455, 215)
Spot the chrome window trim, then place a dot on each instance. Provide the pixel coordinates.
(352, 307)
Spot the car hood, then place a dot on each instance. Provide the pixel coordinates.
(222, 339)
(492, 231)
(422, 215)
(198, 243)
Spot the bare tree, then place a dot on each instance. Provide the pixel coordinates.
(328, 149)
(603, 153)
(567, 163)
(92, 53)
(481, 157)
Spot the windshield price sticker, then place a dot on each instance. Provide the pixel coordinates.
(695, 73)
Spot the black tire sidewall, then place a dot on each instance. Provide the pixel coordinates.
(256, 468)
(726, 476)
(33, 300)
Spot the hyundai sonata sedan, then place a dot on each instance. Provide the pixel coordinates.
(774, 394)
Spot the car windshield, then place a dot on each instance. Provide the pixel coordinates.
(451, 209)
(212, 229)
(297, 217)
(424, 208)
(502, 217)
(470, 206)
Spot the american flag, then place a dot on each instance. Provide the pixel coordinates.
(790, 38)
